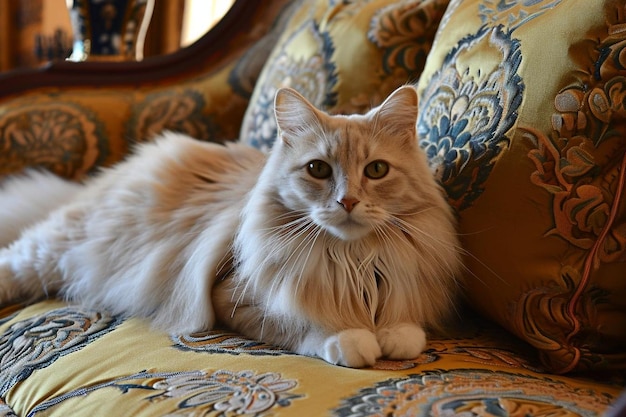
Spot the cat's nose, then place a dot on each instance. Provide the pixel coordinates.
(348, 203)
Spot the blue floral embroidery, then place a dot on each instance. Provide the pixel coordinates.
(314, 77)
(513, 13)
(465, 116)
(37, 342)
(455, 393)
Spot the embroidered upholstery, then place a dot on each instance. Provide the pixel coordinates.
(529, 143)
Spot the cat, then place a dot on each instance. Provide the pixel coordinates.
(340, 244)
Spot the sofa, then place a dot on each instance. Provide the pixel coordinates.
(522, 116)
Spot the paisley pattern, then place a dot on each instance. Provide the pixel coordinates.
(221, 341)
(458, 393)
(465, 117)
(483, 375)
(585, 194)
(65, 138)
(220, 392)
(38, 342)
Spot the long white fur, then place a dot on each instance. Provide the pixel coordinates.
(143, 239)
(28, 198)
(187, 233)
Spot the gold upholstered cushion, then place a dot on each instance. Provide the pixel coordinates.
(522, 115)
(344, 57)
(64, 360)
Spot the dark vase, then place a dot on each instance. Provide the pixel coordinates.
(109, 29)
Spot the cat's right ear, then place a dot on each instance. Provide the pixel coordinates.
(295, 116)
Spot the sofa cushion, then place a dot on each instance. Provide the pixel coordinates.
(66, 360)
(344, 57)
(522, 116)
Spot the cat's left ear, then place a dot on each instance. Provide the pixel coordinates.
(295, 116)
(398, 113)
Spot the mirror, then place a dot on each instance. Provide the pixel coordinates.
(33, 32)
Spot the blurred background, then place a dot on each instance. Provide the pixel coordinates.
(33, 32)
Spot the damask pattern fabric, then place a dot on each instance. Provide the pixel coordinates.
(522, 117)
(344, 57)
(60, 360)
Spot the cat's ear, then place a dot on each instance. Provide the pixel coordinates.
(398, 113)
(295, 116)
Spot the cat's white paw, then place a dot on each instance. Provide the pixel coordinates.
(355, 348)
(402, 341)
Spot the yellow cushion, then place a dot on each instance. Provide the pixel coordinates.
(522, 115)
(63, 360)
(344, 57)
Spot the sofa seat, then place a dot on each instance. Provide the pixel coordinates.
(63, 360)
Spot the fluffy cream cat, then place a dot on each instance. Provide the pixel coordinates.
(339, 245)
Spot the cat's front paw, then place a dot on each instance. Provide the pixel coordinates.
(402, 341)
(355, 348)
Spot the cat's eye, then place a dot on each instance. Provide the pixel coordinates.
(376, 170)
(319, 169)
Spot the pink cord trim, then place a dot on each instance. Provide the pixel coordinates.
(589, 261)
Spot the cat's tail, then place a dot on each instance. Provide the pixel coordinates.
(27, 198)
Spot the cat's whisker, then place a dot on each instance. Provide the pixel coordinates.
(291, 214)
(312, 238)
(305, 235)
(311, 233)
(386, 240)
(383, 232)
(286, 226)
(280, 245)
(462, 251)
(422, 210)
(429, 242)
(289, 231)
(292, 235)
(225, 260)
